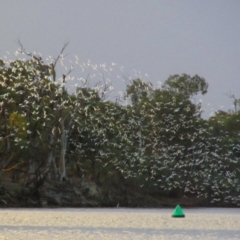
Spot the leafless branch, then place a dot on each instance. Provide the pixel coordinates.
(52, 66)
(235, 100)
(2, 138)
(103, 86)
(22, 50)
(60, 54)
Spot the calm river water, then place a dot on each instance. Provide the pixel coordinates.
(119, 223)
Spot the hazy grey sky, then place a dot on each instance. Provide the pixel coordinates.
(158, 37)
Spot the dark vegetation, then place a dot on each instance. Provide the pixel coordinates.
(59, 148)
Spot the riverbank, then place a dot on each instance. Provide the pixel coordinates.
(83, 193)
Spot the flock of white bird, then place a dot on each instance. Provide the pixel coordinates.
(161, 145)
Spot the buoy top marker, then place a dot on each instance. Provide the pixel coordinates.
(178, 212)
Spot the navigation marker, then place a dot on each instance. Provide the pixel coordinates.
(178, 212)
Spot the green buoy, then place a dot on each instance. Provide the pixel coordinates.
(178, 212)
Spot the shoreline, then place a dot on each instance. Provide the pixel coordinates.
(74, 195)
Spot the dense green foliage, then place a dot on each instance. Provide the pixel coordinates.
(158, 142)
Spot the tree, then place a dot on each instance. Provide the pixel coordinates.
(186, 85)
(158, 142)
(137, 90)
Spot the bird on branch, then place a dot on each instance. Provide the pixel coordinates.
(63, 78)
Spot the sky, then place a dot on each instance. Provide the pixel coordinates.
(151, 39)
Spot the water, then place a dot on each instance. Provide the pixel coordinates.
(119, 223)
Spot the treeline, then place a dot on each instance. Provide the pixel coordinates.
(155, 139)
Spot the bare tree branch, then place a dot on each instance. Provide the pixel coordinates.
(235, 100)
(35, 57)
(60, 54)
(39, 60)
(2, 138)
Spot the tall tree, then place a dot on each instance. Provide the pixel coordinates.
(186, 84)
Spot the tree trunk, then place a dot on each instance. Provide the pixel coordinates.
(51, 160)
(62, 162)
